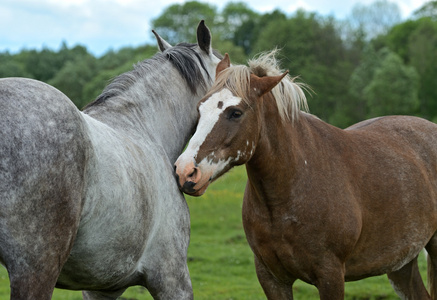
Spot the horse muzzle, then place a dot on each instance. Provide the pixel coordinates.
(190, 180)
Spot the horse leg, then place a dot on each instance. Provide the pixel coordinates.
(36, 239)
(408, 283)
(31, 284)
(271, 286)
(164, 266)
(169, 280)
(431, 248)
(35, 267)
(330, 280)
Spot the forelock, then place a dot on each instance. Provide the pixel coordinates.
(289, 95)
(236, 79)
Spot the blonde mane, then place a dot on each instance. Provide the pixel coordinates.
(289, 95)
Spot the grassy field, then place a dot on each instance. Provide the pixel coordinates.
(219, 258)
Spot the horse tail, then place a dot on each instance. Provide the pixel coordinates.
(432, 284)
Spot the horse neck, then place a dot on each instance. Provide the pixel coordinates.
(162, 111)
(283, 155)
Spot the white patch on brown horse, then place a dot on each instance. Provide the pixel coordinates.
(210, 112)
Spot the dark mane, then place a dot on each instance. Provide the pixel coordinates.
(183, 57)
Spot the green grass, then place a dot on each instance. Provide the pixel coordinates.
(220, 260)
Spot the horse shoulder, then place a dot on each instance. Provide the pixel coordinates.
(130, 202)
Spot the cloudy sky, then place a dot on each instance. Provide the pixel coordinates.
(101, 25)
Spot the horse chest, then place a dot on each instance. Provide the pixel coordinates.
(288, 239)
(272, 242)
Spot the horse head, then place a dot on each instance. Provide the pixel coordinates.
(228, 128)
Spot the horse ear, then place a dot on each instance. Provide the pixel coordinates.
(265, 84)
(162, 44)
(204, 37)
(223, 64)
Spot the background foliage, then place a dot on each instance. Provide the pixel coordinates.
(370, 64)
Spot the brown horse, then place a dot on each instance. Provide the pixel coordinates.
(322, 204)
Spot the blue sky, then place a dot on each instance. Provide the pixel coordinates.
(101, 25)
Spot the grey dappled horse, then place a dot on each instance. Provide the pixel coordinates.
(88, 200)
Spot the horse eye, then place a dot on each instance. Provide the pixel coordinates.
(235, 114)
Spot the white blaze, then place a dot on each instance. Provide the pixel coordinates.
(210, 112)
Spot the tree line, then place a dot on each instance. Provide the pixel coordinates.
(370, 64)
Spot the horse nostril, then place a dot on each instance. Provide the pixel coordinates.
(193, 174)
(189, 187)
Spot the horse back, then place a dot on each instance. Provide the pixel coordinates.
(395, 168)
(43, 154)
(413, 138)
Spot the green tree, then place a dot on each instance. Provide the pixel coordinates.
(393, 89)
(232, 20)
(397, 39)
(429, 10)
(416, 42)
(236, 53)
(179, 22)
(376, 18)
(248, 34)
(72, 78)
(112, 64)
(312, 48)
(359, 80)
(42, 65)
(422, 53)
(295, 36)
(113, 59)
(9, 67)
